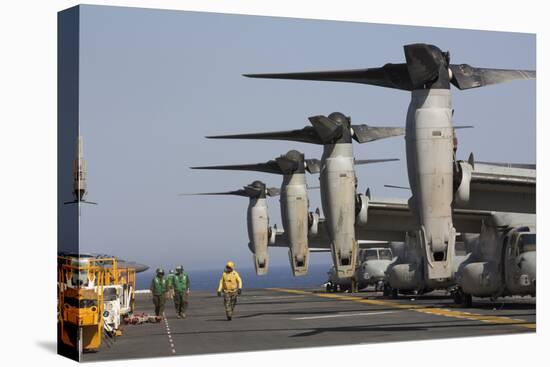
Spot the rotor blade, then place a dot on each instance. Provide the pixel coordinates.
(273, 191)
(255, 191)
(390, 76)
(466, 76)
(463, 127)
(305, 135)
(421, 64)
(269, 167)
(368, 161)
(397, 187)
(326, 129)
(313, 187)
(313, 165)
(364, 133)
(236, 192)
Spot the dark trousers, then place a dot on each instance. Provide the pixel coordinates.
(159, 302)
(181, 302)
(229, 302)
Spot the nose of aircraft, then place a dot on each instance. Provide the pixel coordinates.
(375, 268)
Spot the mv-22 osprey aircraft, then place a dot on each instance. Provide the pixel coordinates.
(428, 74)
(257, 219)
(338, 180)
(298, 222)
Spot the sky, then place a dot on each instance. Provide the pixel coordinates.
(153, 83)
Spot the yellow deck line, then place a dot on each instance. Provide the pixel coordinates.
(501, 320)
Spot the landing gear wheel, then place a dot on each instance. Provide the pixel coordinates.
(394, 293)
(462, 299)
(354, 286)
(387, 290)
(467, 300)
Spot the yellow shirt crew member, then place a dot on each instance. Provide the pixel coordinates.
(230, 282)
(231, 285)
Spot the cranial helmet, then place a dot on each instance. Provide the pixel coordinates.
(179, 269)
(230, 264)
(160, 271)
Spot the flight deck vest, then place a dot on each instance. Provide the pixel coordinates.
(159, 286)
(179, 282)
(230, 282)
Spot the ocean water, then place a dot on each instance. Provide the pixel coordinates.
(277, 277)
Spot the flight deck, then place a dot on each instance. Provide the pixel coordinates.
(275, 318)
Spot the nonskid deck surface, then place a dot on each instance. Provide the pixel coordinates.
(267, 319)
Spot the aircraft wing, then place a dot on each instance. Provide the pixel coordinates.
(317, 241)
(388, 220)
(500, 187)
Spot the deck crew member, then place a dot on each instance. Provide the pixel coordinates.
(231, 285)
(169, 277)
(179, 284)
(158, 288)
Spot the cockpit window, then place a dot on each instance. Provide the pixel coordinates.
(527, 242)
(385, 254)
(371, 255)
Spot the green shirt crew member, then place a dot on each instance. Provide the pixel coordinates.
(179, 284)
(158, 288)
(169, 278)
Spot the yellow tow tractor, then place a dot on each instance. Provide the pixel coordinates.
(94, 296)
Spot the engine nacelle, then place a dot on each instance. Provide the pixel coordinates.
(462, 192)
(481, 278)
(361, 209)
(258, 233)
(405, 277)
(438, 264)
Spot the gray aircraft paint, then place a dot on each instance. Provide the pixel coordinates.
(337, 175)
(502, 187)
(428, 75)
(495, 268)
(257, 220)
(407, 272)
(391, 219)
(294, 215)
(294, 203)
(429, 144)
(338, 182)
(258, 224)
(367, 272)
